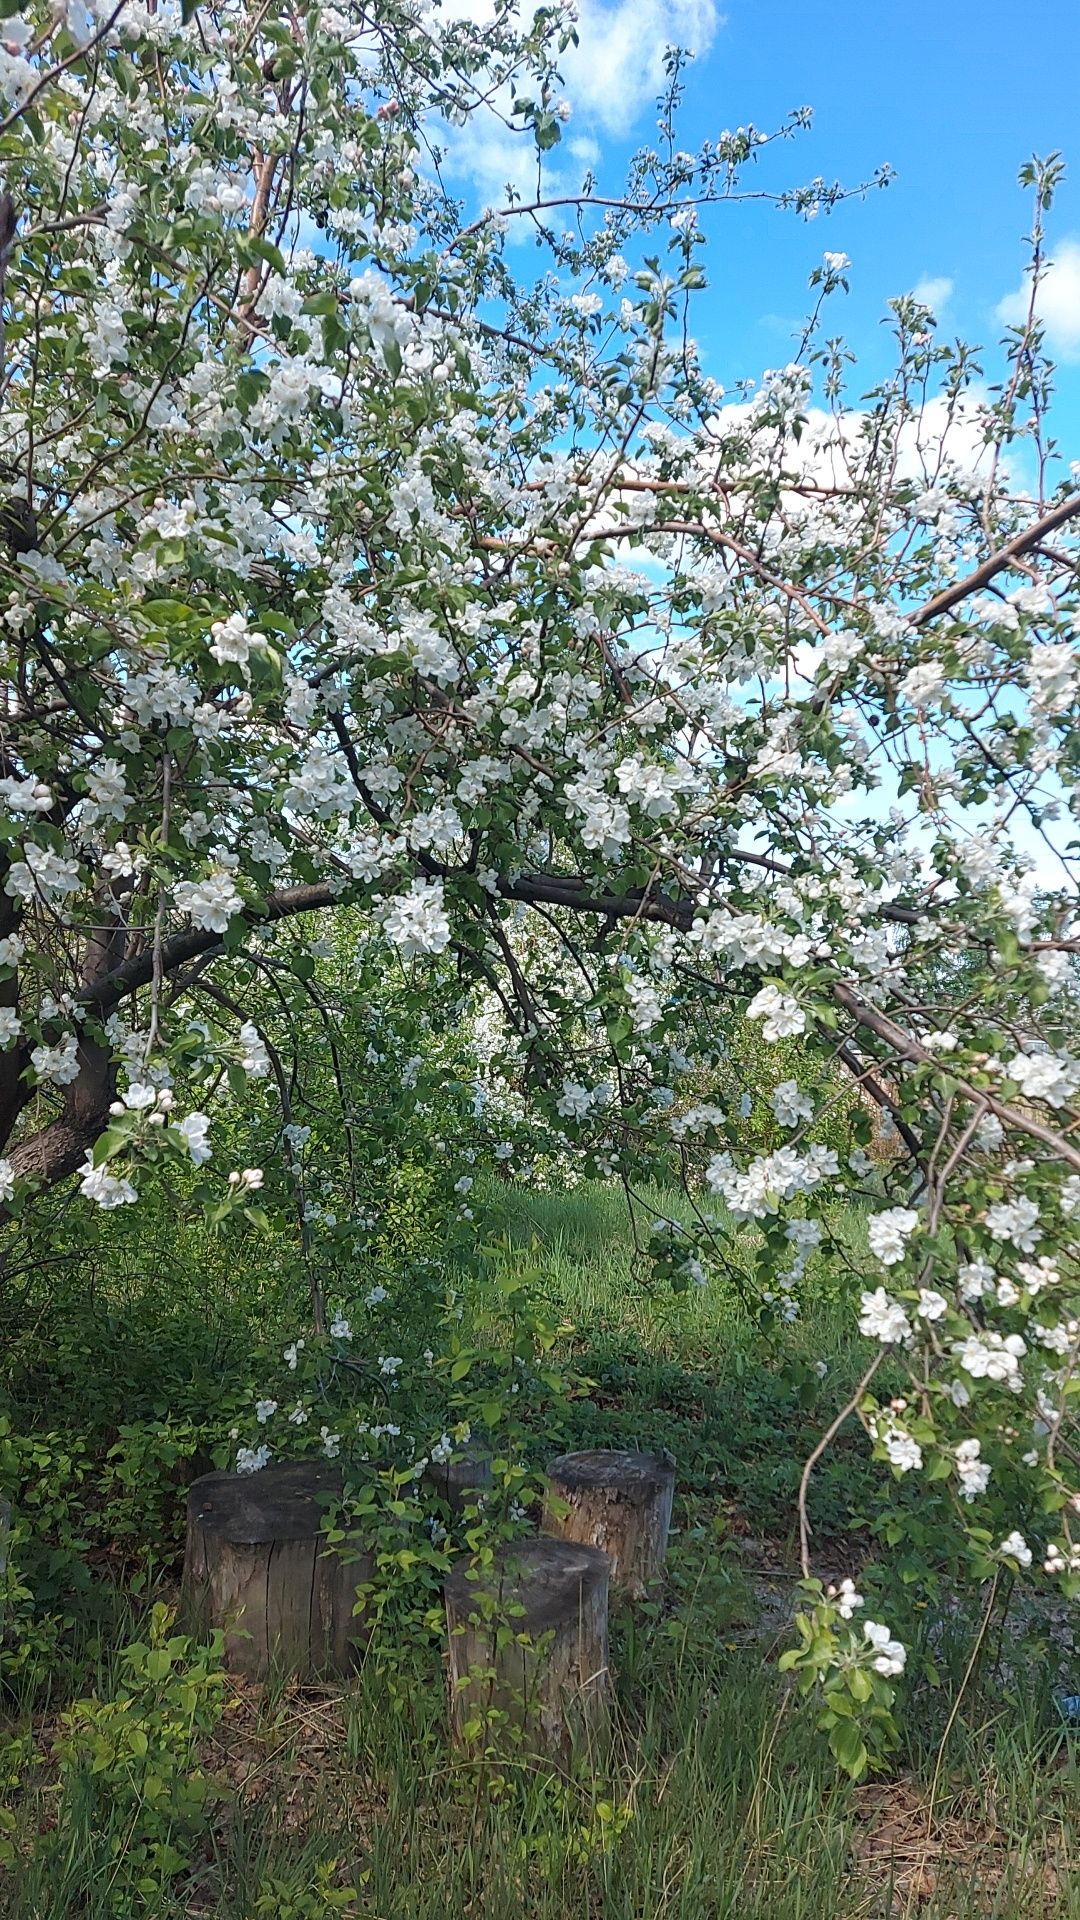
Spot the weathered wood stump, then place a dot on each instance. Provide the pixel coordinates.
(619, 1502)
(529, 1648)
(257, 1565)
(461, 1480)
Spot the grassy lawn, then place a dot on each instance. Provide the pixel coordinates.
(716, 1798)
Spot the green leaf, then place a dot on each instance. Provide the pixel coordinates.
(847, 1748)
(165, 613)
(265, 250)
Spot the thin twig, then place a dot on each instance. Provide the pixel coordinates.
(951, 1721)
(826, 1440)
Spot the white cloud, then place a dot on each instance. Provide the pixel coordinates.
(617, 68)
(834, 449)
(1057, 302)
(493, 158)
(933, 291)
(611, 77)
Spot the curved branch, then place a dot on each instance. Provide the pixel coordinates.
(114, 986)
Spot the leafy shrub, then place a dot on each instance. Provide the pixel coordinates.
(130, 1775)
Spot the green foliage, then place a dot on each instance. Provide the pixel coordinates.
(713, 1766)
(129, 1769)
(281, 1899)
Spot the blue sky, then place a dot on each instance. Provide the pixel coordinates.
(954, 95)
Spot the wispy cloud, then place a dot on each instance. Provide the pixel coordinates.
(610, 78)
(617, 68)
(1057, 302)
(934, 291)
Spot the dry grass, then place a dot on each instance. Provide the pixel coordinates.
(913, 1855)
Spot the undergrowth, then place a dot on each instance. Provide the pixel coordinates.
(137, 1779)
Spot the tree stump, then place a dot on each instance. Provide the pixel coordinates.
(619, 1502)
(257, 1565)
(529, 1648)
(461, 1480)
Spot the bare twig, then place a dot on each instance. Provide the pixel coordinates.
(826, 1440)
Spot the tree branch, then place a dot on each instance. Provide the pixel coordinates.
(910, 1049)
(997, 563)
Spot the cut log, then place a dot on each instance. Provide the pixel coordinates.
(529, 1649)
(258, 1567)
(461, 1480)
(619, 1502)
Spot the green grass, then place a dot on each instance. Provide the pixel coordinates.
(691, 1371)
(715, 1798)
(715, 1803)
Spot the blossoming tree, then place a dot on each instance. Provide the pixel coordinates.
(342, 564)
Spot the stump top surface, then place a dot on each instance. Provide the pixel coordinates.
(606, 1467)
(287, 1501)
(544, 1577)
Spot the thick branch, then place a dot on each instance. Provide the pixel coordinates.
(910, 1049)
(114, 986)
(998, 562)
(58, 1148)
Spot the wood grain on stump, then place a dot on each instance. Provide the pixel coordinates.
(529, 1648)
(619, 1502)
(257, 1565)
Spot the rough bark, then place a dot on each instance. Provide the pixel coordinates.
(619, 1502)
(60, 1146)
(257, 1566)
(529, 1649)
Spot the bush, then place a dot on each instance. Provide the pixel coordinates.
(133, 1795)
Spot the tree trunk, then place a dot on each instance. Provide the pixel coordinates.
(529, 1649)
(461, 1480)
(619, 1502)
(257, 1566)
